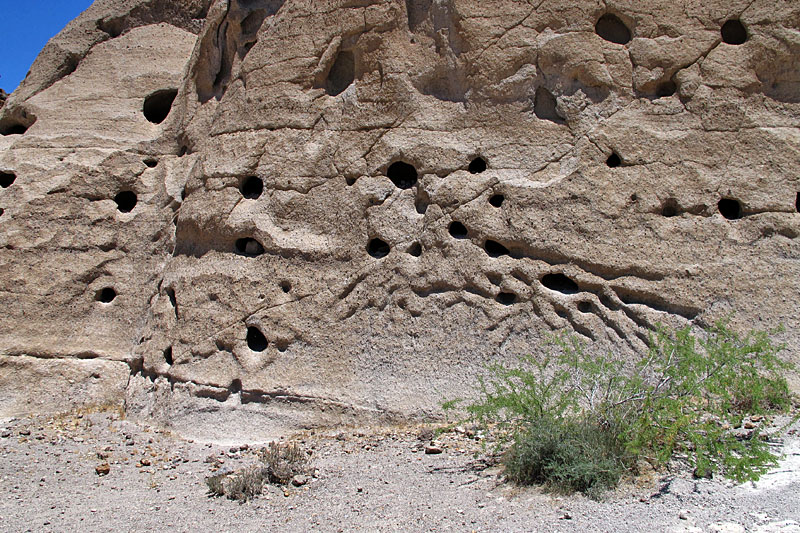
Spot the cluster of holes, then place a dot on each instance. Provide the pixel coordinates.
(126, 201)
(106, 295)
(256, 340)
(252, 187)
(6, 179)
(158, 105)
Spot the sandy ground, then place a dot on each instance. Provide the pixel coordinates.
(367, 480)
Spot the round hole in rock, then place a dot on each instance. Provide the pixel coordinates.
(256, 340)
(458, 230)
(286, 286)
(350, 181)
(415, 249)
(506, 298)
(249, 247)
(560, 283)
(666, 89)
(378, 248)
(252, 187)
(613, 160)
(158, 105)
(126, 201)
(585, 307)
(106, 295)
(730, 208)
(168, 355)
(669, 208)
(151, 162)
(477, 165)
(6, 179)
(495, 249)
(734, 32)
(403, 175)
(612, 29)
(342, 73)
(497, 200)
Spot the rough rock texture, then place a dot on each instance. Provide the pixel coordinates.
(351, 207)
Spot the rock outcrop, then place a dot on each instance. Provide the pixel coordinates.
(245, 215)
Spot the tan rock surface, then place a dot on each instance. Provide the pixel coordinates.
(248, 305)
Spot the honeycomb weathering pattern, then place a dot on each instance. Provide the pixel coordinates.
(326, 292)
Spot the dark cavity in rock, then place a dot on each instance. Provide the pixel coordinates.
(378, 248)
(560, 283)
(13, 128)
(236, 385)
(256, 341)
(477, 165)
(158, 105)
(403, 175)
(6, 179)
(585, 307)
(545, 106)
(495, 249)
(168, 355)
(106, 295)
(252, 187)
(730, 208)
(342, 73)
(666, 89)
(669, 208)
(506, 298)
(613, 160)
(249, 247)
(286, 286)
(612, 29)
(497, 200)
(151, 162)
(734, 32)
(797, 203)
(415, 249)
(126, 201)
(458, 230)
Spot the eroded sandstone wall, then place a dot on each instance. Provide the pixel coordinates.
(290, 213)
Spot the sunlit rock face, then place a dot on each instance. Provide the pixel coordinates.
(244, 216)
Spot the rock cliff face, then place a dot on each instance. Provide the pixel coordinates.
(240, 216)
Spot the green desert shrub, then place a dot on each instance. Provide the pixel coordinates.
(577, 420)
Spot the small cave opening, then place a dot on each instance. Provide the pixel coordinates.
(402, 174)
(286, 286)
(497, 200)
(477, 165)
(495, 249)
(106, 295)
(560, 283)
(585, 307)
(669, 208)
(350, 180)
(506, 298)
(168, 355)
(666, 89)
(126, 201)
(734, 32)
(158, 105)
(342, 73)
(252, 187)
(378, 248)
(2, 211)
(236, 386)
(151, 162)
(545, 106)
(14, 128)
(6, 179)
(256, 340)
(612, 29)
(730, 208)
(613, 160)
(458, 230)
(249, 247)
(415, 250)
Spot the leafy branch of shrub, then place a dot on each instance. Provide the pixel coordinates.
(578, 421)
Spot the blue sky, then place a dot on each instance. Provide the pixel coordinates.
(25, 27)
